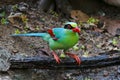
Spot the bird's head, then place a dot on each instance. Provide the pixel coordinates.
(72, 26)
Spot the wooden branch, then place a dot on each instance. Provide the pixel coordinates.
(104, 59)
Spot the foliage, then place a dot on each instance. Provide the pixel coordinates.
(4, 21)
(62, 55)
(24, 18)
(86, 54)
(26, 27)
(17, 31)
(76, 48)
(37, 28)
(92, 20)
(53, 13)
(98, 46)
(80, 23)
(15, 7)
(114, 41)
(2, 14)
(82, 47)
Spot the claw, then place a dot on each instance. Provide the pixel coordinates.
(78, 61)
(56, 57)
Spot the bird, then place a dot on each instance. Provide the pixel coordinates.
(60, 38)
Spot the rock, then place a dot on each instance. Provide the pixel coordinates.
(87, 6)
(4, 57)
(113, 2)
(105, 73)
(12, 17)
(118, 31)
(23, 7)
(118, 69)
(79, 15)
(15, 51)
(113, 26)
(1, 9)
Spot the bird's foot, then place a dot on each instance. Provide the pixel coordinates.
(56, 57)
(78, 61)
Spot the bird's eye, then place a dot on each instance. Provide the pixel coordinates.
(68, 26)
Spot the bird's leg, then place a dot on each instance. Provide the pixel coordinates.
(56, 57)
(75, 57)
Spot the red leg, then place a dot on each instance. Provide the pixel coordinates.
(56, 57)
(75, 57)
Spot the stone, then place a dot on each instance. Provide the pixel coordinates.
(4, 57)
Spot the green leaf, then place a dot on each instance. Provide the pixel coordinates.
(76, 48)
(2, 14)
(17, 31)
(92, 20)
(82, 47)
(37, 28)
(98, 46)
(62, 55)
(86, 54)
(4, 21)
(15, 7)
(114, 42)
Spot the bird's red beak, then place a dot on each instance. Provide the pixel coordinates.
(76, 29)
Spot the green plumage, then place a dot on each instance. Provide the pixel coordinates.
(66, 37)
(64, 42)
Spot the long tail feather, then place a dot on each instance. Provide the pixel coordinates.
(31, 34)
(45, 36)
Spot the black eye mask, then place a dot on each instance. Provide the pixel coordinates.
(68, 26)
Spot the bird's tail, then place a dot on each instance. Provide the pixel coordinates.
(30, 34)
(45, 36)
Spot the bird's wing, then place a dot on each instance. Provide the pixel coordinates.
(46, 36)
(58, 32)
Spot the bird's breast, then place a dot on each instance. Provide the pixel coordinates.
(64, 42)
